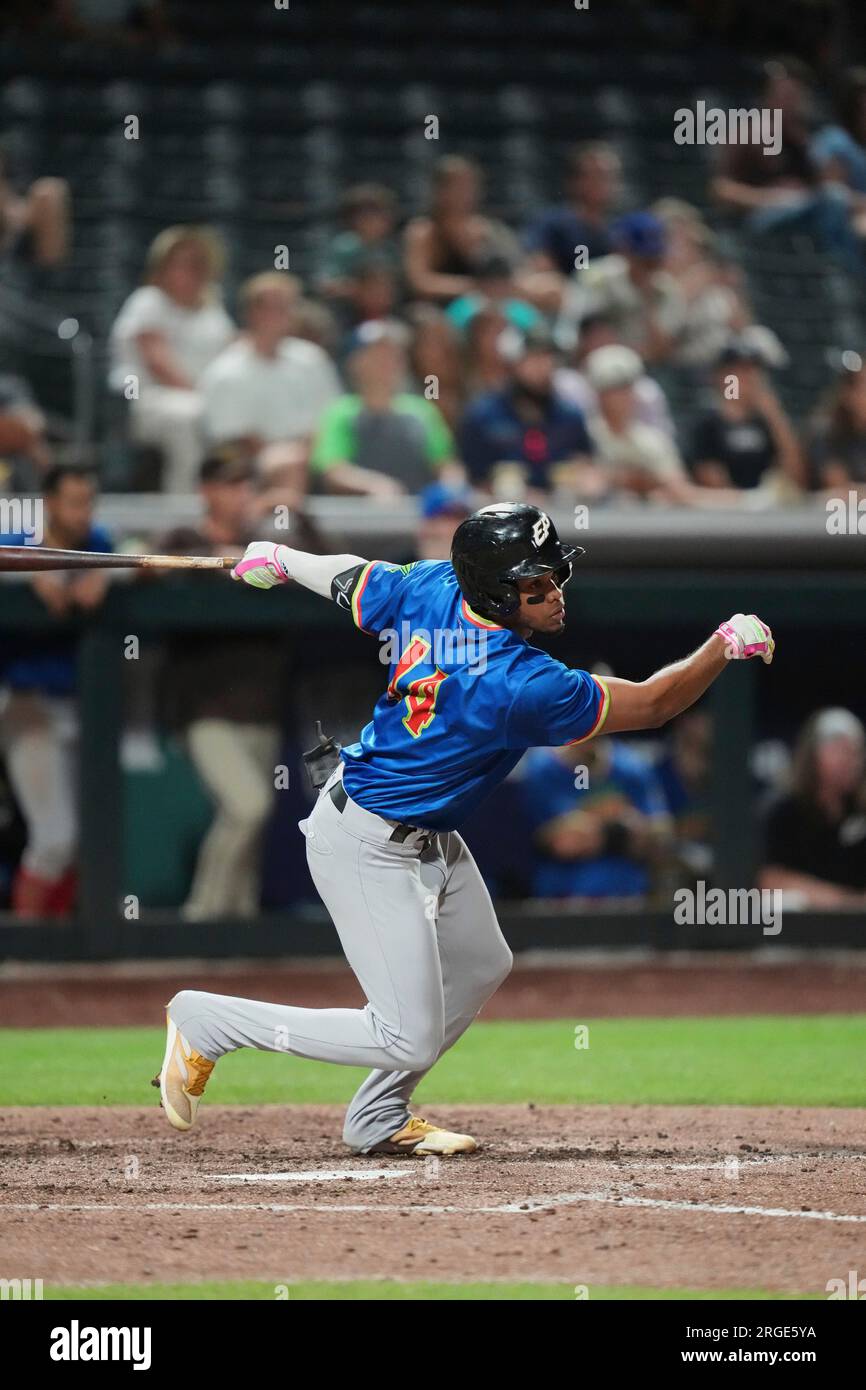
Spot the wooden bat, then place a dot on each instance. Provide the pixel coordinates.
(34, 557)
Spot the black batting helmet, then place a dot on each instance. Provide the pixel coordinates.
(500, 544)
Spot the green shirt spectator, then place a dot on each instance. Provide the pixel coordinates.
(380, 440)
(407, 441)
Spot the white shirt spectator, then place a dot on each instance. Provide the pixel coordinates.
(606, 288)
(277, 398)
(638, 448)
(196, 336)
(652, 405)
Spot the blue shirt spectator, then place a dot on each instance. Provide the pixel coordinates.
(557, 233)
(495, 430)
(619, 809)
(529, 422)
(591, 188)
(837, 146)
(47, 665)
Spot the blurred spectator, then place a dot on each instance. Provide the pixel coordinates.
(525, 435)
(38, 719)
(816, 833)
(380, 440)
(224, 693)
(443, 507)
(745, 440)
(837, 432)
(24, 455)
(789, 190)
(839, 151)
(485, 366)
(268, 390)
(166, 334)
(34, 227)
(712, 289)
(651, 406)
(630, 456)
(683, 771)
(368, 212)
(443, 250)
(598, 820)
(434, 360)
(631, 289)
(496, 286)
(371, 293)
(315, 323)
(592, 185)
(13, 838)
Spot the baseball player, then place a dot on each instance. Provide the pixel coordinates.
(467, 694)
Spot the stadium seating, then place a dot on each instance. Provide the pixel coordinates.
(257, 121)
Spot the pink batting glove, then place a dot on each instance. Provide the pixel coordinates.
(262, 565)
(746, 636)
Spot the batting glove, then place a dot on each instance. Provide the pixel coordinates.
(746, 636)
(263, 565)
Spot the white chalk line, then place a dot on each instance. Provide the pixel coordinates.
(524, 1208)
(320, 1175)
(638, 1165)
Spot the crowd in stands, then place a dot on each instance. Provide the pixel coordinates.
(437, 353)
(441, 343)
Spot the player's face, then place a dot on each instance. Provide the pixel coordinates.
(542, 602)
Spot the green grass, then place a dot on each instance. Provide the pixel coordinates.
(811, 1060)
(384, 1290)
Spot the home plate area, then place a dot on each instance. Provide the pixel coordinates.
(678, 1197)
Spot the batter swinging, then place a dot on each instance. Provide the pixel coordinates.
(412, 912)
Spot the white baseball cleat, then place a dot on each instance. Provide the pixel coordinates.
(182, 1079)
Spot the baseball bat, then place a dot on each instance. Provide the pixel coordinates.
(35, 558)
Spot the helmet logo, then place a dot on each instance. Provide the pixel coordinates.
(540, 530)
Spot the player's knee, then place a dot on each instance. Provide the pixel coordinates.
(419, 1051)
(183, 1005)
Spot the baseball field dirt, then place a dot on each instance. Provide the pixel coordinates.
(678, 1197)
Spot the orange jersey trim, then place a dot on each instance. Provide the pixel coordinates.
(358, 594)
(476, 618)
(603, 711)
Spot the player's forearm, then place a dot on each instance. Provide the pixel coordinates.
(649, 704)
(676, 687)
(265, 565)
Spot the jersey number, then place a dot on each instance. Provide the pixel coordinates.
(420, 694)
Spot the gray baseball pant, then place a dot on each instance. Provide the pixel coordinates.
(419, 931)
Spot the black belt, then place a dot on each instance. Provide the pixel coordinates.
(401, 832)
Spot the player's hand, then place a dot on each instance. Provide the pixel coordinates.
(262, 566)
(746, 636)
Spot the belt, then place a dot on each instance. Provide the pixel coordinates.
(401, 832)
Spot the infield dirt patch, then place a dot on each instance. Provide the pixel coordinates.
(691, 1197)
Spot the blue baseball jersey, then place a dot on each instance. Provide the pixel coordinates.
(465, 697)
